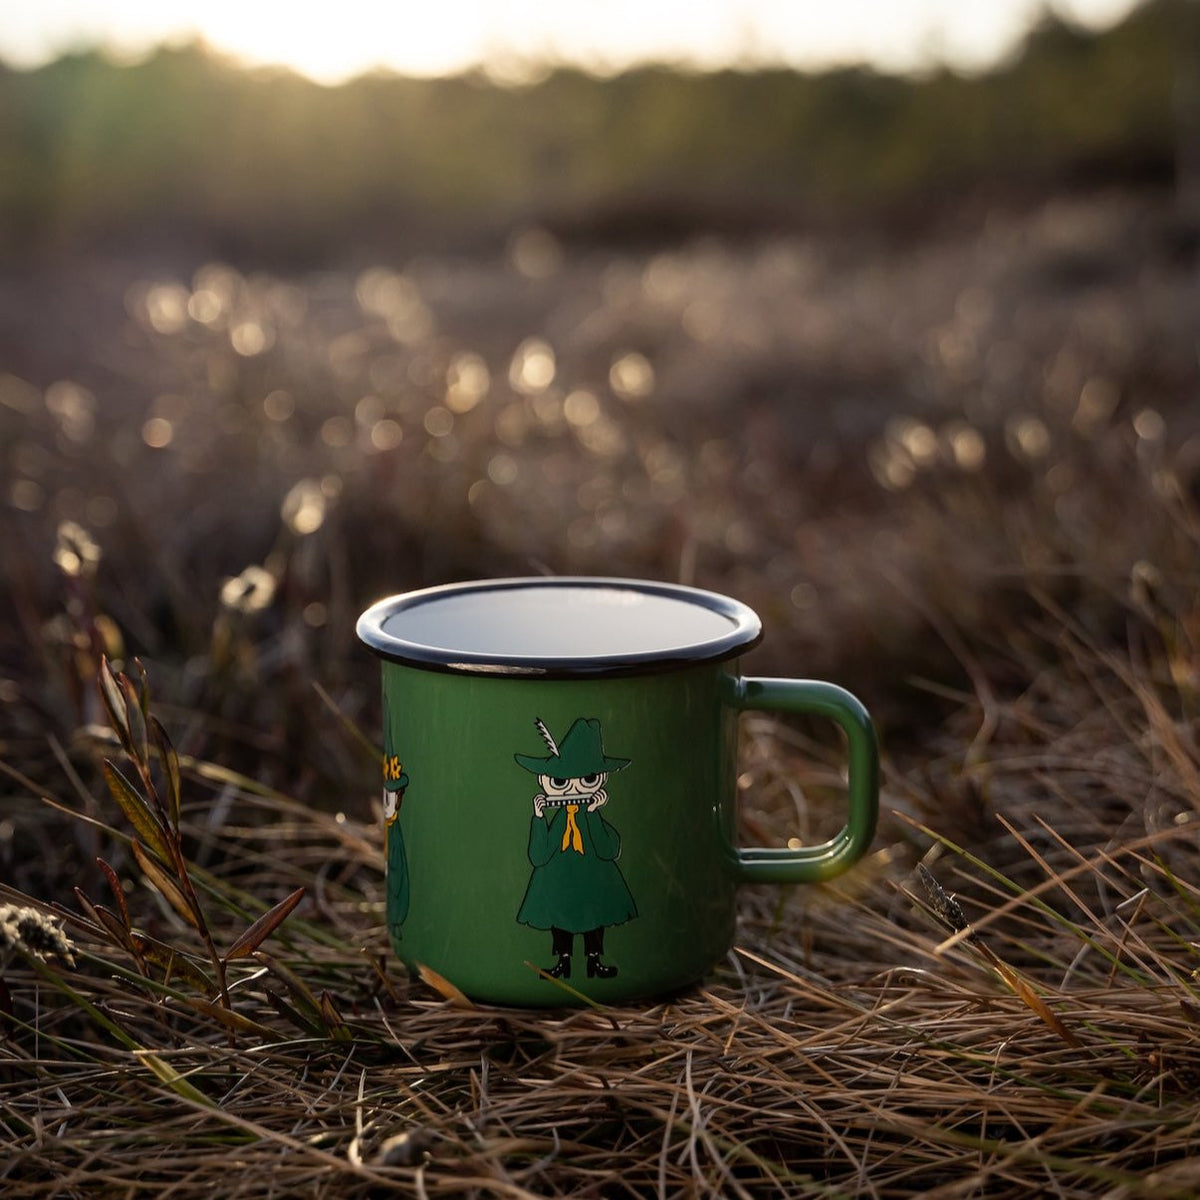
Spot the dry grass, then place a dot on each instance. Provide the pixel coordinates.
(1037, 1032)
(1000, 1001)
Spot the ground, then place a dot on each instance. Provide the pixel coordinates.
(955, 471)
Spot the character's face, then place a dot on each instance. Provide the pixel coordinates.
(585, 785)
(391, 805)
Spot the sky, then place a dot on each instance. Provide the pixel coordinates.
(333, 42)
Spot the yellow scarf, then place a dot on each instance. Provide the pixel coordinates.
(571, 835)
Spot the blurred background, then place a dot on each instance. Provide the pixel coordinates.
(883, 320)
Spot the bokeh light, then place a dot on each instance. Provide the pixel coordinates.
(536, 253)
(249, 592)
(74, 408)
(76, 552)
(158, 433)
(467, 381)
(303, 508)
(532, 368)
(631, 376)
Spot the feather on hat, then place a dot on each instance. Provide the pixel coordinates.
(580, 753)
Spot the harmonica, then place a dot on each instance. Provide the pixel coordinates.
(581, 801)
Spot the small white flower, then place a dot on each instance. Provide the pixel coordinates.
(31, 931)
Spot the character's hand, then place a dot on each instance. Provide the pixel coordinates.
(598, 800)
(539, 802)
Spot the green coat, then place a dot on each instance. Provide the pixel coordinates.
(397, 878)
(574, 891)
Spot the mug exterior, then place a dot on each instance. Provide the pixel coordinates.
(638, 891)
(559, 784)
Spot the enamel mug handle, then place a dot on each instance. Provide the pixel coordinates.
(813, 864)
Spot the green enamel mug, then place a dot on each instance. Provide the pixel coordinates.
(559, 784)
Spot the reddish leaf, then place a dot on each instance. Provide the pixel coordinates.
(258, 933)
(334, 1021)
(104, 920)
(1029, 997)
(89, 908)
(117, 890)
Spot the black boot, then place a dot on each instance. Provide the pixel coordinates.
(598, 970)
(562, 942)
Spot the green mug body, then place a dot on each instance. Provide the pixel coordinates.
(559, 787)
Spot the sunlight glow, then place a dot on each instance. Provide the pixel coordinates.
(511, 37)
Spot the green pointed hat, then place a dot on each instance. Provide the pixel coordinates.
(581, 753)
(394, 778)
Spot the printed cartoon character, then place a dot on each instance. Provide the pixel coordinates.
(394, 783)
(576, 885)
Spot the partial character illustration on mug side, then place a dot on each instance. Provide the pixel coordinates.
(395, 781)
(575, 886)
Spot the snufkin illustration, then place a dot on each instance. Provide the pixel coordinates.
(576, 886)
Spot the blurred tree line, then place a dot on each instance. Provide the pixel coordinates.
(185, 147)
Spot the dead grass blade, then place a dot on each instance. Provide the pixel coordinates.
(443, 987)
(1048, 1044)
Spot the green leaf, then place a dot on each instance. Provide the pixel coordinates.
(288, 1013)
(81, 1002)
(165, 884)
(295, 985)
(167, 1074)
(143, 689)
(170, 765)
(114, 702)
(173, 963)
(229, 1018)
(136, 719)
(258, 933)
(112, 923)
(138, 812)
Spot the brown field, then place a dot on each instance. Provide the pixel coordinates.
(955, 469)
